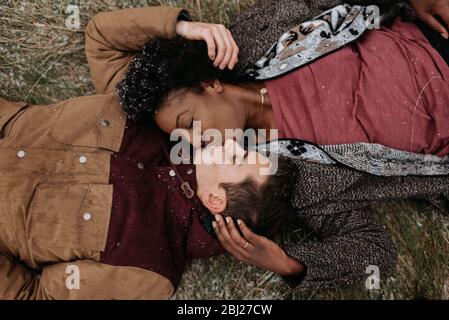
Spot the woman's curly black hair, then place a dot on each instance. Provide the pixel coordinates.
(166, 65)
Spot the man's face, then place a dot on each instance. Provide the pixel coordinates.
(230, 163)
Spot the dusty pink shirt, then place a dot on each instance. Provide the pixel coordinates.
(390, 87)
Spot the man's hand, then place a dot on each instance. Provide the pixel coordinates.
(428, 10)
(254, 249)
(221, 46)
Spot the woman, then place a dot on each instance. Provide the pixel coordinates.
(390, 87)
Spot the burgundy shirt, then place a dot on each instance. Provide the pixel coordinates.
(390, 87)
(154, 225)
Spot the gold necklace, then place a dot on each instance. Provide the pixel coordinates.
(262, 92)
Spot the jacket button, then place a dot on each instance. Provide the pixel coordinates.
(21, 154)
(105, 123)
(87, 216)
(83, 159)
(172, 173)
(189, 171)
(140, 165)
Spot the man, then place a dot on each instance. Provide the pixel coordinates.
(91, 206)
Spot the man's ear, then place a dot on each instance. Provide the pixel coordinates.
(214, 86)
(215, 203)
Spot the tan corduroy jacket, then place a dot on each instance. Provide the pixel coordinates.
(55, 200)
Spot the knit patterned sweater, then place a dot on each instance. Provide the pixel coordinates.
(333, 202)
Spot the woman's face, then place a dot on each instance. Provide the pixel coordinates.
(211, 109)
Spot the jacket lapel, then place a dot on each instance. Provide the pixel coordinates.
(372, 158)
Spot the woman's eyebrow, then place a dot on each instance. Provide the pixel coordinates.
(179, 116)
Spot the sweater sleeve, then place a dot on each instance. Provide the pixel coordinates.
(349, 243)
(96, 281)
(112, 39)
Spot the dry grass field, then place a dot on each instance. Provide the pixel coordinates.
(41, 61)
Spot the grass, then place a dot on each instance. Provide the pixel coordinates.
(41, 61)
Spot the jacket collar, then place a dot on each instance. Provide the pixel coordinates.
(94, 121)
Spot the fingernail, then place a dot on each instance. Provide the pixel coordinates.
(239, 222)
(217, 217)
(214, 224)
(228, 220)
(445, 36)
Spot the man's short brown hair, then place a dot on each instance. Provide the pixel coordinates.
(265, 208)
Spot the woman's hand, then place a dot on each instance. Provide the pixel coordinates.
(221, 46)
(427, 10)
(254, 249)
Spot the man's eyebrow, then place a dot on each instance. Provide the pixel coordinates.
(179, 116)
(244, 158)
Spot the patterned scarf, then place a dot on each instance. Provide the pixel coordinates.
(313, 39)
